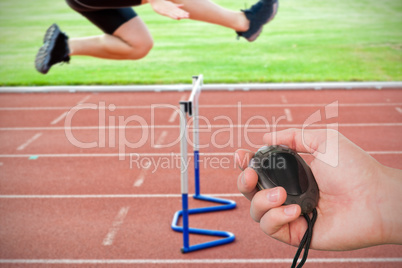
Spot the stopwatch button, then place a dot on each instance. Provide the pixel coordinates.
(307, 205)
(264, 149)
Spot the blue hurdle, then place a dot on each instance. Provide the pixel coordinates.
(190, 108)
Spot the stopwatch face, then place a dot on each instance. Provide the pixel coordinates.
(280, 166)
(283, 169)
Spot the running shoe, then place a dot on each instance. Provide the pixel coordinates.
(54, 49)
(259, 14)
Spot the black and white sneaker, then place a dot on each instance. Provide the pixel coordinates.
(54, 49)
(259, 14)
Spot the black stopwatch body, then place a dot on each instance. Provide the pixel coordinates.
(281, 166)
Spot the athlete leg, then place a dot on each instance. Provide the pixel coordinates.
(125, 34)
(247, 23)
(208, 11)
(130, 41)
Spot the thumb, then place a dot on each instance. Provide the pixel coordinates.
(243, 157)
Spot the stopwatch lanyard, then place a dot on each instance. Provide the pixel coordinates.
(306, 240)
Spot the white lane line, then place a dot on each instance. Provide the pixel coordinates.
(81, 106)
(141, 177)
(107, 196)
(86, 196)
(172, 154)
(195, 261)
(161, 139)
(216, 106)
(288, 114)
(383, 152)
(292, 105)
(176, 112)
(118, 221)
(399, 110)
(231, 154)
(58, 119)
(173, 116)
(140, 180)
(84, 99)
(28, 142)
(211, 126)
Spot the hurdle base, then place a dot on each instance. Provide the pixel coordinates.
(228, 237)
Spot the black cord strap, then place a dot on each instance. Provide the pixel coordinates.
(306, 240)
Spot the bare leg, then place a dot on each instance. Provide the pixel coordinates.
(131, 40)
(208, 11)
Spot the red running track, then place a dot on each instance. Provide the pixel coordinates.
(92, 180)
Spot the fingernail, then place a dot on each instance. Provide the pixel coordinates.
(273, 195)
(290, 211)
(237, 160)
(243, 178)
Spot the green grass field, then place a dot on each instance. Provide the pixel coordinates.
(310, 40)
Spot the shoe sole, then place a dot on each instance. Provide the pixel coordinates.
(255, 36)
(50, 31)
(44, 54)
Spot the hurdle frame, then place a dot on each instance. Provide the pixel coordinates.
(190, 108)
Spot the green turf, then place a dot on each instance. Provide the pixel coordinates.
(310, 40)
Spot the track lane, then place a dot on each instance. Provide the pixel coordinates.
(76, 229)
(109, 176)
(236, 113)
(215, 97)
(218, 138)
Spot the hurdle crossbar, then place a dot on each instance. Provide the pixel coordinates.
(190, 108)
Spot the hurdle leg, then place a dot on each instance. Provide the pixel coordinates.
(184, 176)
(196, 142)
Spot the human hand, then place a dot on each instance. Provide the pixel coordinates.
(359, 203)
(169, 9)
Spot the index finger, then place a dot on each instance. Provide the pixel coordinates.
(243, 157)
(302, 141)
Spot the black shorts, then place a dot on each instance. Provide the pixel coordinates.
(108, 15)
